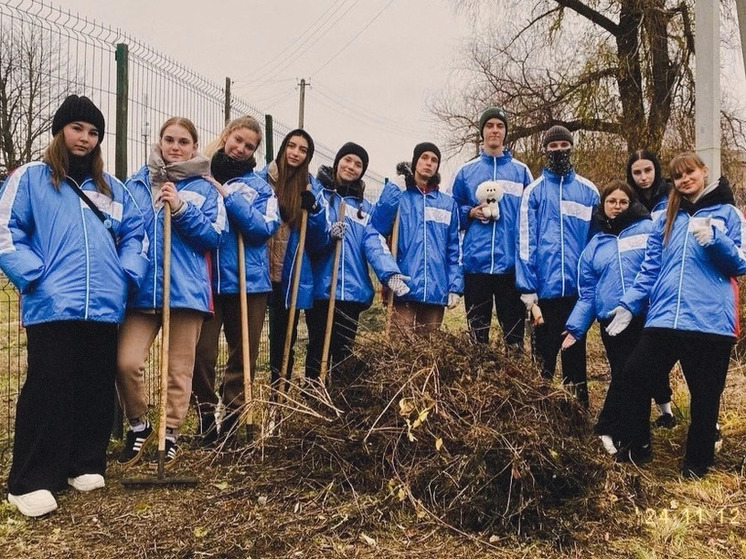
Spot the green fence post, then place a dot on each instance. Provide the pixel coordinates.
(269, 139)
(227, 100)
(120, 157)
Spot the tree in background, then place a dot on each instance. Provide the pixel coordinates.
(619, 71)
(28, 96)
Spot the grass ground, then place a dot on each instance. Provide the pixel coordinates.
(251, 503)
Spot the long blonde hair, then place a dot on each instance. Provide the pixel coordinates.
(57, 156)
(683, 162)
(241, 122)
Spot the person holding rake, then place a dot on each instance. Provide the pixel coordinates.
(171, 181)
(360, 245)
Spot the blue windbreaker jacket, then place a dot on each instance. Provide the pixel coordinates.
(692, 287)
(489, 248)
(361, 245)
(195, 231)
(57, 252)
(428, 248)
(608, 267)
(251, 206)
(553, 226)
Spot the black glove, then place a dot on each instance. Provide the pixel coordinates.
(308, 202)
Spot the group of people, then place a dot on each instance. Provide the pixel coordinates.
(86, 253)
(654, 261)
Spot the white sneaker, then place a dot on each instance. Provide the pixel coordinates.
(87, 482)
(35, 503)
(608, 444)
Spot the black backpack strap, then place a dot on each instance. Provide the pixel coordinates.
(99, 214)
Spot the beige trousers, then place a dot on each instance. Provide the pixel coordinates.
(136, 336)
(421, 317)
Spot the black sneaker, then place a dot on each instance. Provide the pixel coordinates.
(172, 453)
(134, 445)
(690, 471)
(666, 421)
(635, 454)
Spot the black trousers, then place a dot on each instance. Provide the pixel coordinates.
(618, 349)
(278, 324)
(704, 361)
(548, 340)
(344, 330)
(480, 290)
(65, 410)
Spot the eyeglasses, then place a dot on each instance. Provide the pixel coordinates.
(611, 202)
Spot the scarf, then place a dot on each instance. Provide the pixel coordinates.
(79, 167)
(162, 172)
(224, 168)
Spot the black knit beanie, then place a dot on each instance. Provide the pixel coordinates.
(419, 149)
(81, 109)
(354, 149)
(492, 112)
(557, 133)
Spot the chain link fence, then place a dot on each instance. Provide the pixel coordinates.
(47, 53)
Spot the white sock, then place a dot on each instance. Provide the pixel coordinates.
(138, 425)
(665, 408)
(608, 444)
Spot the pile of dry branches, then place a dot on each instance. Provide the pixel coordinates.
(463, 433)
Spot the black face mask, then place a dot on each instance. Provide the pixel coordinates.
(558, 161)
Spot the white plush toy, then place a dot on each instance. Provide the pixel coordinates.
(490, 192)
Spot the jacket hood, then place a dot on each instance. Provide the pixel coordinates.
(634, 213)
(325, 174)
(405, 168)
(714, 194)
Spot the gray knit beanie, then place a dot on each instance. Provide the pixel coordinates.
(557, 133)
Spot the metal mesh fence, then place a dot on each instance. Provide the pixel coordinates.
(46, 54)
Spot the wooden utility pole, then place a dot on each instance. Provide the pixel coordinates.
(302, 106)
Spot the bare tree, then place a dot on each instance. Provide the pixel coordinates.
(615, 68)
(27, 93)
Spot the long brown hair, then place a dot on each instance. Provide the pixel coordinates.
(291, 181)
(57, 156)
(241, 122)
(683, 162)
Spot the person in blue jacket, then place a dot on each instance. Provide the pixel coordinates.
(73, 266)
(488, 245)
(607, 268)
(553, 228)
(173, 175)
(428, 247)
(689, 278)
(251, 207)
(361, 245)
(645, 177)
(297, 191)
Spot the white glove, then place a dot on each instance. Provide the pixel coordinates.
(453, 299)
(338, 229)
(529, 299)
(702, 231)
(397, 284)
(620, 319)
(400, 182)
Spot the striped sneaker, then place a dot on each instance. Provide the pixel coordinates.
(134, 445)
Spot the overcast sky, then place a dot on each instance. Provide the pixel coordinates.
(372, 64)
